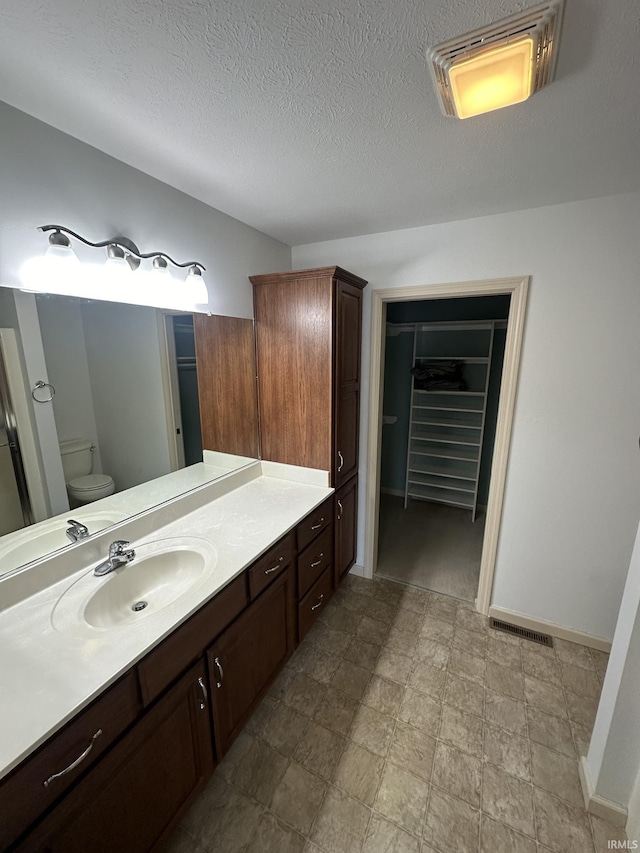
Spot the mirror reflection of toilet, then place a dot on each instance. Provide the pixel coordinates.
(83, 486)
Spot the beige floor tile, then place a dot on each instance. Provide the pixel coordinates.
(182, 842)
(401, 641)
(341, 619)
(471, 620)
(303, 694)
(556, 774)
(457, 773)
(282, 683)
(341, 824)
(358, 772)
(495, 837)
(413, 750)
(600, 661)
(470, 641)
(351, 679)
(427, 679)
(394, 666)
(421, 711)
(407, 620)
(505, 712)
(363, 586)
(504, 654)
(272, 836)
(562, 827)
(321, 666)
(384, 837)
(507, 751)
(506, 637)
(362, 653)
(581, 738)
(582, 681)
(582, 710)
(319, 750)
(413, 598)
(451, 825)
(467, 665)
(336, 711)
(231, 819)
(298, 797)
(353, 601)
(540, 667)
(383, 611)
(372, 730)
(553, 732)
(257, 721)
(388, 590)
(545, 697)
(437, 629)
(505, 680)
(463, 731)
(284, 728)
(573, 653)
(431, 652)
(508, 799)
(383, 695)
(604, 833)
(402, 798)
(372, 631)
(235, 756)
(464, 695)
(260, 771)
(443, 608)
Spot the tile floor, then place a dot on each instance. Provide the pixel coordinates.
(403, 724)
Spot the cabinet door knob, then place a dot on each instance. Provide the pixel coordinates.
(315, 606)
(203, 703)
(220, 671)
(317, 562)
(341, 465)
(74, 763)
(339, 510)
(319, 525)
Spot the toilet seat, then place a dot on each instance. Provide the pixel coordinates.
(91, 487)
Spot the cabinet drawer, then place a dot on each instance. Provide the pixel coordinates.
(40, 780)
(314, 560)
(315, 523)
(269, 566)
(314, 603)
(164, 664)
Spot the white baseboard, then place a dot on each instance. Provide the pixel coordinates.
(545, 627)
(596, 805)
(397, 492)
(358, 571)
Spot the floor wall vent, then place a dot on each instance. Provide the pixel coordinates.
(525, 633)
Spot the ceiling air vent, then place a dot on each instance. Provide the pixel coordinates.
(525, 633)
(539, 25)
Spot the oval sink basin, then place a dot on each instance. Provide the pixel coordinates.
(161, 574)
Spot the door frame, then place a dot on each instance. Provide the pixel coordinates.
(170, 388)
(517, 288)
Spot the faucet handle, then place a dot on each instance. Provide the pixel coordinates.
(116, 549)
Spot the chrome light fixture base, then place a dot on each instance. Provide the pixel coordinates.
(540, 23)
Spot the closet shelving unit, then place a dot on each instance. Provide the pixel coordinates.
(446, 428)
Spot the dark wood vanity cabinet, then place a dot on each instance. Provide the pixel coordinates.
(136, 795)
(308, 341)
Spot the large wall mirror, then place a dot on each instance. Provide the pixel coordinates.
(140, 405)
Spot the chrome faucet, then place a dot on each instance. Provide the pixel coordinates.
(77, 531)
(117, 557)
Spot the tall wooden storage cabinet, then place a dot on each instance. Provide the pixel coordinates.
(308, 342)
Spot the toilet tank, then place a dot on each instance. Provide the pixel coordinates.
(76, 458)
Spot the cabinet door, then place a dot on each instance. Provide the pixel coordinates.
(246, 658)
(346, 528)
(347, 381)
(136, 795)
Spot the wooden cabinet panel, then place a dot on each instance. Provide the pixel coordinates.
(314, 560)
(165, 663)
(226, 367)
(314, 523)
(265, 570)
(346, 500)
(347, 435)
(314, 602)
(134, 798)
(246, 658)
(38, 782)
(349, 333)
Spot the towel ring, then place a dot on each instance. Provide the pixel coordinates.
(38, 387)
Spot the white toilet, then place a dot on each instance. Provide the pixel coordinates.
(83, 486)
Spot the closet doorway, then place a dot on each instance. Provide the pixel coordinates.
(444, 366)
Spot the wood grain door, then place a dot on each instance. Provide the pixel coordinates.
(248, 655)
(348, 312)
(346, 499)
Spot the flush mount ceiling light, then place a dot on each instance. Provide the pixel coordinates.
(121, 277)
(498, 65)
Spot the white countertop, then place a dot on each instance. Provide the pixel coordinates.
(48, 674)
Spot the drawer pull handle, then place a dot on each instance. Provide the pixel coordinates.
(75, 763)
(319, 525)
(205, 696)
(273, 569)
(341, 465)
(319, 604)
(317, 562)
(339, 510)
(220, 670)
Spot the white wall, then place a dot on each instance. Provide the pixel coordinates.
(572, 497)
(49, 177)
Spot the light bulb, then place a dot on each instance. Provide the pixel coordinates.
(196, 286)
(57, 271)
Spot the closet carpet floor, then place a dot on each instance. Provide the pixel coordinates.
(404, 724)
(433, 546)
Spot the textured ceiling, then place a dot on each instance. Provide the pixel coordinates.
(316, 120)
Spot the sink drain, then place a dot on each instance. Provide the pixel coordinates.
(138, 605)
